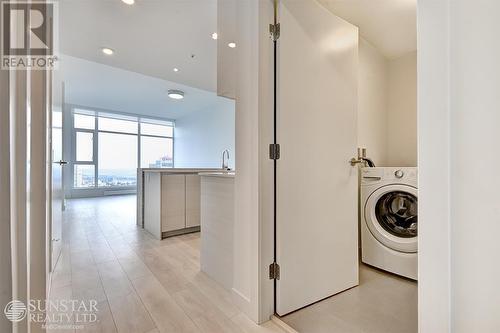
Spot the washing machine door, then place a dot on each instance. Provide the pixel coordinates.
(392, 217)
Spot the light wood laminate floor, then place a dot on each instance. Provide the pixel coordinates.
(382, 303)
(141, 284)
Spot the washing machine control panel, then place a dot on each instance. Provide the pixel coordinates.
(399, 173)
(385, 174)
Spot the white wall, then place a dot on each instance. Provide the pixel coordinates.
(387, 106)
(402, 111)
(19, 185)
(5, 230)
(475, 138)
(39, 168)
(252, 288)
(200, 138)
(459, 76)
(226, 57)
(372, 102)
(434, 167)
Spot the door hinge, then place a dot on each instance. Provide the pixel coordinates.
(274, 151)
(274, 271)
(274, 30)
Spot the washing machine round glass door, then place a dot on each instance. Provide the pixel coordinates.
(392, 217)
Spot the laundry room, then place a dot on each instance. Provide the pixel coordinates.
(382, 293)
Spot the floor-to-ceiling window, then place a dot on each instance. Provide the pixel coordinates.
(157, 145)
(109, 147)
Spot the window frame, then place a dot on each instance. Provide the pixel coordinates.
(74, 161)
(120, 116)
(154, 136)
(75, 152)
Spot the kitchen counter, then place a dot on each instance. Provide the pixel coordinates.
(217, 220)
(182, 170)
(228, 174)
(168, 200)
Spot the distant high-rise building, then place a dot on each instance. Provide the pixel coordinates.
(163, 162)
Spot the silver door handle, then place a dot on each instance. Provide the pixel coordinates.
(61, 162)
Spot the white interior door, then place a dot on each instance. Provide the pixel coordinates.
(317, 230)
(57, 200)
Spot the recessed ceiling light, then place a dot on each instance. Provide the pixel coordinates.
(107, 51)
(129, 2)
(215, 36)
(176, 94)
(176, 69)
(232, 45)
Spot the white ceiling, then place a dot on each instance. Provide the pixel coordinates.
(100, 86)
(150, 37)
(390, 25)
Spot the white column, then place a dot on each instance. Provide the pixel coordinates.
(459, 80)
(434, 167)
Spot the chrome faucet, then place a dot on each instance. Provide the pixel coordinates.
(225, 162)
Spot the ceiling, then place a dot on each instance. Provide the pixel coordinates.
(389, 25)
(100, 86)
(150, 37)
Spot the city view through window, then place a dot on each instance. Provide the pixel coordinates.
(109, 150)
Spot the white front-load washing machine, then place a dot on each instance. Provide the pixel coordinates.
(389, 199)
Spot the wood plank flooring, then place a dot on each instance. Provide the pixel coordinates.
(141, 284)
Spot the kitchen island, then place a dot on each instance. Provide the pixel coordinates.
(217, 219)
(168, 200)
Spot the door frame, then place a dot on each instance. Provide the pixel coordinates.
(434, 296)
(50, 95)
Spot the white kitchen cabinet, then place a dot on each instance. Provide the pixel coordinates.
(152, 203)
(217, 213)
(173, 202)
(170, 201)
(192, 201)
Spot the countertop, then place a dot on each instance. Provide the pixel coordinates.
(223, 174)
(176, 170)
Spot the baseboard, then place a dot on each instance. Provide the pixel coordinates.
(166, 234)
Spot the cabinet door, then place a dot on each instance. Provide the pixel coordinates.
(193, 199)
(173, 202)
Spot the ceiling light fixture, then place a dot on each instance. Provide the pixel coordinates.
(129, 2)
(176, 69)
(215, 36)
(107, 51)
(232, 45)
(175, 94)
